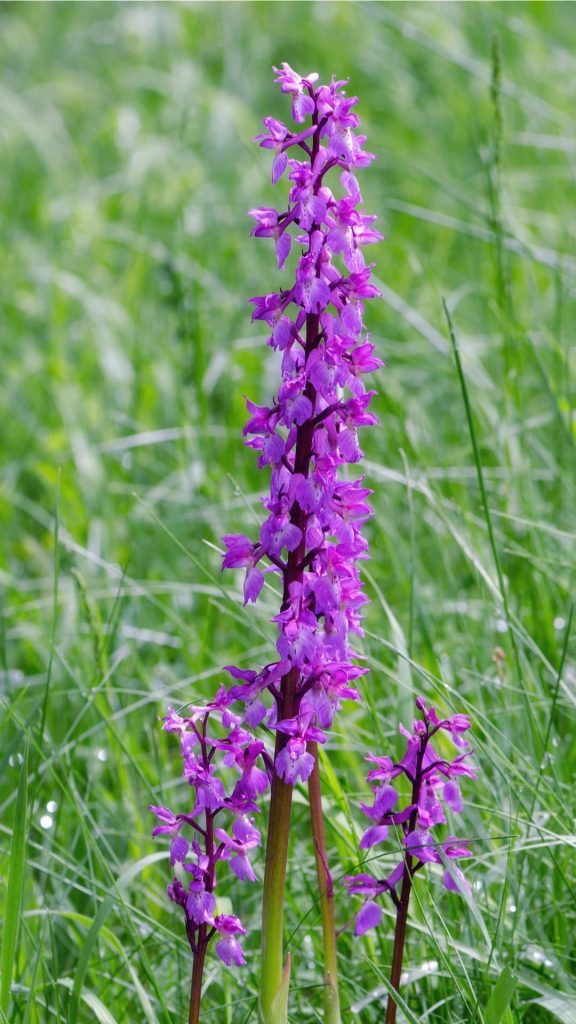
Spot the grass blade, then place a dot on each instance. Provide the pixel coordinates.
(82, 966)
(399, 1000)
(497, 1008)
(561, 1006)
(15, 885)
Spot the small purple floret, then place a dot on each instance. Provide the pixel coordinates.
(227, 946)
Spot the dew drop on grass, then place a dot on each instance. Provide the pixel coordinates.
(14, 760)
(538, 956)
(559, 623)
(51, 806)
(429, 966)
(46, 821)
(501, 626)
(102, 755)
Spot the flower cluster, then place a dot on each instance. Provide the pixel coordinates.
(434, 786)
(312, 534)
(195, 860)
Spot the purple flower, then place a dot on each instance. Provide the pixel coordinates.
(253, 583)
(293, 762)
(199, 904)
(209, 788)
(275, 139)
(278, 533)
(372, 836)
(453, 796)
(419, 844)
(178, 850)
(369, 917)
(302, 104)
(242, 553)
(363, 885)
(311, 291)
(385, 798)
(227, 947)
(386, 768)
(455, 848)
(239, 553)
(269, 225)
(454, 881)
(174, 722)
(253, 781)
(171, 822)
(236, 847)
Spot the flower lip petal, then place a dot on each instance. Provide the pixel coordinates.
(369, 917)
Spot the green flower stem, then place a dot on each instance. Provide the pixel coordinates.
(275, 876)
(273, 896)
(326, 891)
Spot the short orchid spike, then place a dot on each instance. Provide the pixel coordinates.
(435, 796)
(197, 847)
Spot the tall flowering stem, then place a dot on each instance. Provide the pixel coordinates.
(434, 787)
(312, 537)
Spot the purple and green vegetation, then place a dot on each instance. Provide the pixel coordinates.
(323, 864)
(312, 540)
(433, 788)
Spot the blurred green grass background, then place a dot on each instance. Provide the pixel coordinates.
(126, 347)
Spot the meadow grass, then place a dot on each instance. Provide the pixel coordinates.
(126, 348)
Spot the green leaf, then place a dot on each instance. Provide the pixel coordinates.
(278, 1012)
(101, 1013)
(15, 886)
(398, 999)
(82, 965)
(497, 1008)
(561, 1006)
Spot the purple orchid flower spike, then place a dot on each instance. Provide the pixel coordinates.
(312, 536)
(305, 437)
(435, 795)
